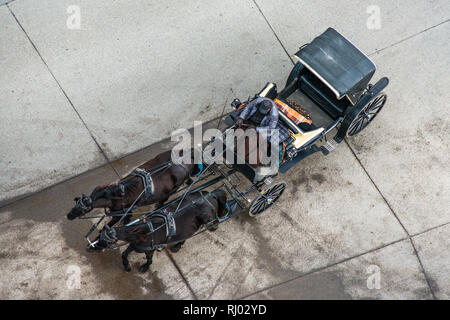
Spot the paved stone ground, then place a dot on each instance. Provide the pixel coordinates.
(73, 103)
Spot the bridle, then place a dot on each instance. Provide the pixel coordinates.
(84, 204)
(108, 235)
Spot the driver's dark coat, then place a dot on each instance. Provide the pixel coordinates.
(269, 122)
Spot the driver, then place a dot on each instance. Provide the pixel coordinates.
(263, 114)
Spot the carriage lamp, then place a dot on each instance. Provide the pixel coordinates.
(235, 103)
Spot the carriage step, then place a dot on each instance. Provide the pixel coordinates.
(268, 180)
(328, 147)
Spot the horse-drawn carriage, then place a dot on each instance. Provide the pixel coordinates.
(330, 81)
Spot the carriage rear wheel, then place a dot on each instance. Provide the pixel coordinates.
(270, 195)
(367, 114)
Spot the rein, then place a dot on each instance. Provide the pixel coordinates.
(147, 182)
(169, 223)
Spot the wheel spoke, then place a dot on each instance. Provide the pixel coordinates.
(276, 189)
(361, 126)
(377, 103)
(355, 124)
(278, 193)
(259, 205)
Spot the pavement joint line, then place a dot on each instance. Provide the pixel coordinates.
(319, 269)
(395, 215)
(273, 31)
(5, 2)
(62, 90)
(220, 278)
(430, 229)
(407, 38)
(427, 279)
(181, 274)
(376, 187)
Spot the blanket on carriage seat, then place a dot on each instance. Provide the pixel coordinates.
(294, 112)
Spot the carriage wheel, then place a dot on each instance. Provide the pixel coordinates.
(267, 198)
(367, 114)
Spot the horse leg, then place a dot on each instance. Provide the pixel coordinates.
(146, 266)
(125, 261)
(177, 246)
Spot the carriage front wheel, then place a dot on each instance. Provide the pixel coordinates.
(268, 197)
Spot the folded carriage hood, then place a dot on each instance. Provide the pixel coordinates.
(338, 63)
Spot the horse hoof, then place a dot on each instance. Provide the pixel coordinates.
(127, 269)
(144, 268)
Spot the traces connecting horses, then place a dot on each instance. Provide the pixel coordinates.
(166, 177)
(198, 208)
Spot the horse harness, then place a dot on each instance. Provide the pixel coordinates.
(169, 221)
(171, 230)
(147, 181)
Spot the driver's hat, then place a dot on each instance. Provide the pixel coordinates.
(265, 106)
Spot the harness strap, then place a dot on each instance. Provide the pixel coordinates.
(147, 180)
(122, 190)
(150, 227)
(204, 198)
(171, 230)
(171, 226)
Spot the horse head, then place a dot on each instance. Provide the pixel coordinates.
(131, 234)
(99, 198)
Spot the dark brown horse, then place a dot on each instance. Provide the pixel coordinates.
(197, 209)
(167, 178)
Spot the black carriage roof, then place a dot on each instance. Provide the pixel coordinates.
(337, 63)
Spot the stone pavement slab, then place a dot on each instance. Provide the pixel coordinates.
(432, 247)
(137, 72)
(392, 272)
(42, 252)
(298, 22)
(406, 149)
(329, 212)
(43, 140)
